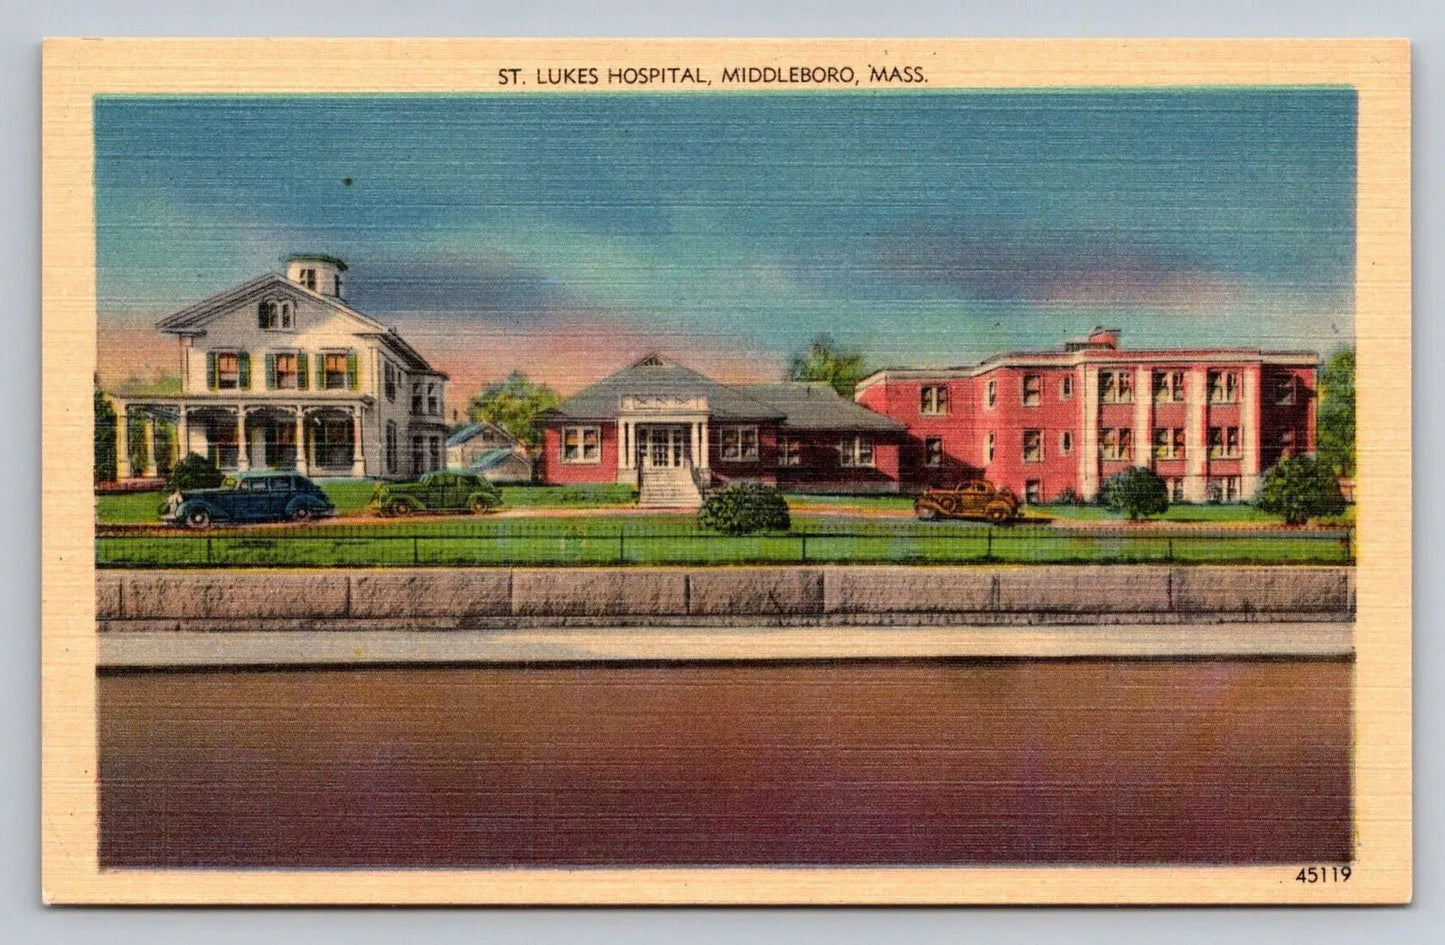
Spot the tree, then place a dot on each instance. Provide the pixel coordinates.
(514, 405)
(1336, 421)
(195, 472)
(105, 470)
(1300, 488)
(1137, 492)
(824, 361)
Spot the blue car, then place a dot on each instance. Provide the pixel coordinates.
(250, 497)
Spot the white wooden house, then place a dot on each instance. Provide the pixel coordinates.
(280, 373)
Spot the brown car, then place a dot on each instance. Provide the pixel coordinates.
(976, 498)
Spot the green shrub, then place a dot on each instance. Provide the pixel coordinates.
(1137, 492)
(744, 508)
(1300, 488)
(194, 472)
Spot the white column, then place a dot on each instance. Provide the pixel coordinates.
(150, 444)
(303, 465)
(1248, 431)
(183, 434)
(1195, 396)
(1143, 404)
(1089, 434)
(694, 438)
(702, 449)
(358, 459)
(627, 447)
(243, 441)
(122, 440)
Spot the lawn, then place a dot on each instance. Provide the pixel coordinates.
(350, 497)
(676, 539)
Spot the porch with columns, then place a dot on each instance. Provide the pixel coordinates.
(324, 438)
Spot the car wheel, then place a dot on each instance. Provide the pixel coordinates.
(926, 513)
(479, 505)
(949, 506)
(198, 518)
(400, 508)
(998, 515)
(301, 515)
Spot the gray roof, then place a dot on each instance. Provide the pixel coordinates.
(817, 406)
(653, 377)
(476, 427)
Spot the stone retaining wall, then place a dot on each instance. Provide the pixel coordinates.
(473, 598)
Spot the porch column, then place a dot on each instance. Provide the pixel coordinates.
(122, 440)
(243, 451)
(302, 464)
(694, 438)
(183, 434)
(150, 444)
(702, 451)
(1089, 434)
(358, 460)
(625, 429)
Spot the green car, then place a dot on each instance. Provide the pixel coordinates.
(442, 490)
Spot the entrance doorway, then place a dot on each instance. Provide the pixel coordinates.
(663, 446)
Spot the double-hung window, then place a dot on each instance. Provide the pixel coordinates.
(738, 444)
(1033, 446)
(855, 451)
(1033, 390)
(933, 400)
(790, 451)
(581, 444)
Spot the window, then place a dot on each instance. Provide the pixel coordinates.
(933, 400)
(1066, 442)
(338, 370)
(1224, 442)
(990, 395)
(336, 284)
(790, 451)
(307, 277)
(436, 452)
(1286, 443)
(1033, 446)
(228, 370)
(1033, 390)
(581, 444)
(418, 455)
(272, 315)
(390, 446)
(1116, 443)
(738, 444)
(1168, 387)
(933, 451)
(389, 373)
(1066, 387)
(1224, 489)
(1176, 489)
(1284, 392)
(1116, 387)
(433, 404)
(416, 398)
(1034, 491)
(283, 371)
(1168, 442)
(1223, 387)
(855, 451)
(988, 444)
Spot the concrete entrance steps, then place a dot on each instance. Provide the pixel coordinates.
(665, 487)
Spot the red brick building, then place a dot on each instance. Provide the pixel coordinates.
(1050, 423)
(670, 430)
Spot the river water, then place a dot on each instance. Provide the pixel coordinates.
(866, 762)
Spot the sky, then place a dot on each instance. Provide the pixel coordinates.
(566, 235)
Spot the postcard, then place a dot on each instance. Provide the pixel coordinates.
(661, 471)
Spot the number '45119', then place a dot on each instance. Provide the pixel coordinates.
(1323, 874)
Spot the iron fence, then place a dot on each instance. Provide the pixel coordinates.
(593, 543)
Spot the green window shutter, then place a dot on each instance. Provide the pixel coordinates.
(213, 379)
(270, 372)
(303, 370)
(321, 372)
(244, 365)
(351, 372)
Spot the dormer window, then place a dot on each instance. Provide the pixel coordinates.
(276, 315)
(307, 278)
